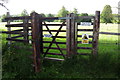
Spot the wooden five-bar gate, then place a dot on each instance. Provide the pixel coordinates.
(34, 25)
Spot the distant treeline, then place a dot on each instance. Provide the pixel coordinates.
(106, 15)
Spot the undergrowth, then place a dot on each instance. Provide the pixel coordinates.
(16, 64)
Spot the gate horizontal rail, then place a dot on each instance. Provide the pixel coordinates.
(50, 18)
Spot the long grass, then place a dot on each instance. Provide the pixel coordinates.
(17, 64)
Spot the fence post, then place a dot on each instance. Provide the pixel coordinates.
(8, 28)
(71, 35)
(37, 40)
(96, 33)
(25, 29)
(68, 36)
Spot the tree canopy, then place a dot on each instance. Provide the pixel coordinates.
(50, 15)
(106, 16)
(62, 12)
(24, 13)
(75, 11)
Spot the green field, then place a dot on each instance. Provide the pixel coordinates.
(16, 63)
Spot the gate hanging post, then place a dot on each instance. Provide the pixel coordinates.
(37, 40)
(71, 35)
(96, 33)
(26, 29)
(8, 28)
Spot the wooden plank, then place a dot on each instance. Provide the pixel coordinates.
(19, 40)
(50, 18)
(56, 59)
(71, 42)
(53, 53)
(53, 25)
(74, 31)
(56, 18)
(55, 48)
(10, 32)
(37, 40)
(8, 29)
(76, 17)
(84, 48)
(84, 29)
(18, 18)
(54, 38)
(21, 25)
(14, 31)
(26, 29)
(68, 35)
(90, 36)
(17, 25)
(14, 25)
(90, 42)
(84, 17)
(17, 30)
(96, 33)
(3, 31)
(59, 36)
(54, 42)
(17, 36)
(109, 33)
(55, 30)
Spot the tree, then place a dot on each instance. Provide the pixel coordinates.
(2, 4)
(43, 15)
(24, 13)
(106, 16)
(3, 17)
(84, 20)
(75, 11)
(116, 18)
(50, 15)
(62, 12)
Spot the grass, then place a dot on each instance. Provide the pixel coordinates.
(17, 64)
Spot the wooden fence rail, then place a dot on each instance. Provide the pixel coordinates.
(33, 26)
(109, 33)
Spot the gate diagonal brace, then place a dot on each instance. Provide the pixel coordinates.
(54, 40)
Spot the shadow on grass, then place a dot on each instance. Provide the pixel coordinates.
(16, 64)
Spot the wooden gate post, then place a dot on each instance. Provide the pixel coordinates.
(8, 28)
(71, 35)
(96, 33)
(37, 40)
(26, 29)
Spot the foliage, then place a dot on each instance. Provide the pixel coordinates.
(43, 15)
(75, 11)
(24, 13)
(116, 18)
(106, 15)
(11, 58)
(62, 12)
(3, 18)
(78, 66)
(50, 15)
(17, 64)
(84, 20)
